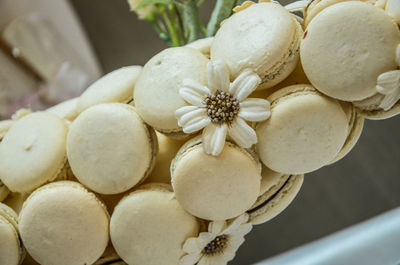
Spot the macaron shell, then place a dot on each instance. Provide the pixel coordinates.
(33, 151)
(157, 89)
(306, 131)
(260, 37)
(116, 86)
(393, 9)
(65, 110)
(168, 148)
(202, 45)
(110, 149)
(269, 178)
(278, 203)
(9, 243)
(216, 188)
(5, 125)
(341, 42)
(150, 227)
(369, 108)
(4, 191)
(62, 223)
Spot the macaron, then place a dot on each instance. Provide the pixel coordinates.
(116, 86)
(33, 151)
(346, 47)
(306, 130)
(202, 45)
(263, 37)
(393, 9)
(63, 223)
(157, 89)
(149, 226)
(5, 125)
(11, 249)
(110, 149)
(167, 150)
(65, 110)
(356, 125)
(215, 187)
(4, 191)
(277, 192)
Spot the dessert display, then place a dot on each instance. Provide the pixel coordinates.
(175, 162)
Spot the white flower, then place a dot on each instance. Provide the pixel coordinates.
(143, 12)
(388, 84)
(217, 246)
(222, 108)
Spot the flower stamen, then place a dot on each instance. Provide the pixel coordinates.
(216, 246)
(221, 107)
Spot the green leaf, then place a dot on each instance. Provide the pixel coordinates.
(144, 3)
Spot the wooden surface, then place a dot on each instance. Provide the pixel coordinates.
(362, 185)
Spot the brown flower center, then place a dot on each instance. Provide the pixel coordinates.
(222, 107)
(216, 246)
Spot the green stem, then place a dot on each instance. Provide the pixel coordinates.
(189, 13)
(175, 20)
(171, 28)
(222, 10)
(161, 33)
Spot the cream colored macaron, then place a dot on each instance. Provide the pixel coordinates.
(33, 151)
(264, 37)
(5, 125)
(150, 227)
(393, 9)
(277, 192)
(116, 86)
(167, 150)
(346, 47)
(306, 130)
(215, 187)
(63, 223)
(202, 45)
(11, 249)
(65, 110)
(110, 149)
(4, 191)
(157, 89)
(356, 125)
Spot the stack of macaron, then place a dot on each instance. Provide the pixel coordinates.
(174, 162)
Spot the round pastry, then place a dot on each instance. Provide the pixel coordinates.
(393, 9)
(110, 149)
(356, 125)
(5, 125)
(63, 223)
(157, 89)
(4, 191)
(277, 192)
(215, 187)
(11, 249)
(167, 150)
(65, 110)
(264, 37)
(343, 52)
(202, 45)
(306, 130)
(150, 227)
(33, 151)
(116, 86)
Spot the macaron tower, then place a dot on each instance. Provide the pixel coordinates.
(205, 141)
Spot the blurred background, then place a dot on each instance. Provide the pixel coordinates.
(362, 185)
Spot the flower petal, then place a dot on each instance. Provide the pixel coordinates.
(298, 6)
(193, 92)
(242, 133)
(188, 113)
(235, 224)
(190, 259)
(196, 124)
(218, 76)
(205, 260)
(214, 138)
(243, 230)
(204, 238)
(244, 84)
(388, 82)
(216, 227)
(255, 109)
(390, 100)
(191, 245)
